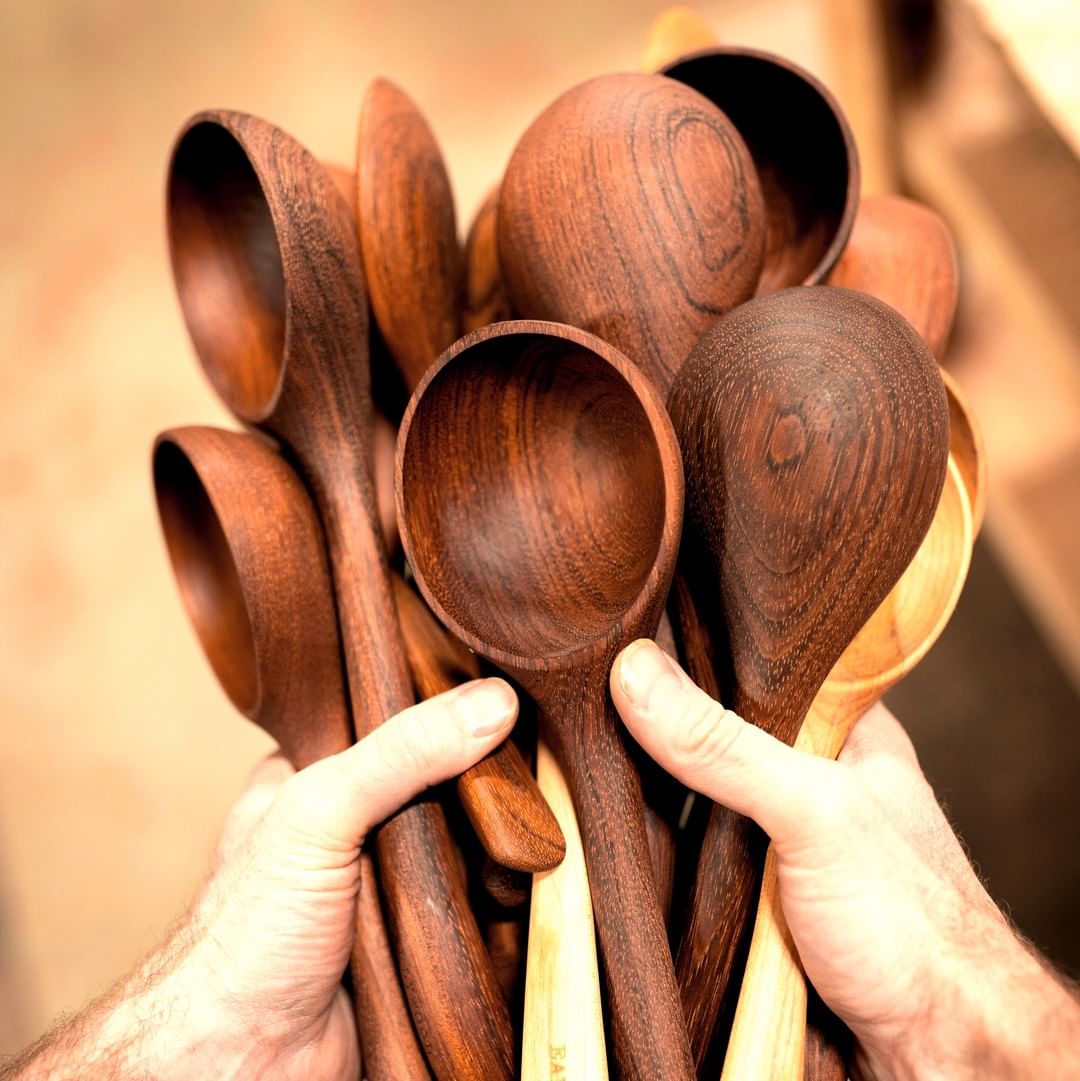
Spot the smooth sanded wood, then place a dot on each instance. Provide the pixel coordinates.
(408, 230)
(268, 268)
(767, 1036)
(814, 430)
(250, 561)
(539, 499)
(485, 299)
(802, 149)
(563, 1033)
(630, 207)
(903, 253)
(504, 805)
(676, 31)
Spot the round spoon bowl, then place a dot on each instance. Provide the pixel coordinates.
(802, 148)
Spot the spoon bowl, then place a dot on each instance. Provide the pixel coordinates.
(540, 501)
(802, 149)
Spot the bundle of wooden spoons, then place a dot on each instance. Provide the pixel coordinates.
(703, 316)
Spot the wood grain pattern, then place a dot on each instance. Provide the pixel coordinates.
(539, 498)
(630, 207)
(267, 264)
(967, 447)
(408, 230)
(250, 561)
(485, 299)
(802, 149)
(563, 1033)
(767, 1037)
(499, 794)
(903, 253)
(814, 428)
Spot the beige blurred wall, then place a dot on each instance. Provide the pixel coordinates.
(118, 754)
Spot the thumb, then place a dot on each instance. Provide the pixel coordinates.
(339, 800)
(716, 752)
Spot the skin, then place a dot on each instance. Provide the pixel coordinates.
(892, 924)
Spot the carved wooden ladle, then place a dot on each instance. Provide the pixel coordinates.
(630, 208)
(539, 499)
(767, 1034)
(250, 563)
(801, 146)
(815, 437)
(268, 269)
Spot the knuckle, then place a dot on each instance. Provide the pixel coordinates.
(708, 733)
(414, 742)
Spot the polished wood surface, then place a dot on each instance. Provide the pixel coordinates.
(903, 253)
(408, 230)
(814, 429)
(539, 499)
(267, 264)
(630, 207)
(563, 1029)
(802, 149)
(250, 562)
(484, 300)
(767, 1035)
(499, 794)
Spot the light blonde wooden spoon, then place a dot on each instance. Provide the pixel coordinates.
(676, 31)
(768, 1034)
(564, 1026)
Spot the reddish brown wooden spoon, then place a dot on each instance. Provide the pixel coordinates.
(802, 148)
(539, 498)
(484, 299)
(631, 208)
(815, 436)
(267, 264)
(408, 231)
(250, 562)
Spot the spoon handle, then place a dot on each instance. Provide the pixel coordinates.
(506, 808)
(647, 1022)
(564, 1026)
(454, 995)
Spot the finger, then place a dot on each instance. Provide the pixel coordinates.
(716, 752)
(341, 798)
(251, 806)
(878, 732)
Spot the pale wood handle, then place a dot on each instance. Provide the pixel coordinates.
(564, 1027)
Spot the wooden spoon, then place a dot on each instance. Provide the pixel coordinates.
(675, 32)
(630, 208)
(814, 429)
(802, 149)
(767, 1038)
(250, 561)
(267, 264)
(539, 498)
(408, 230)
(485, 298)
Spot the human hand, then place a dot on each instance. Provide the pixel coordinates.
(892, 925)
(249, 984)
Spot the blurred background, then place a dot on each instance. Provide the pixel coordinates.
(119, 756)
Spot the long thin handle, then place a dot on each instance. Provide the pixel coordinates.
(564, 1027)
(500, 796)
(768, 1036)
(647, 1022)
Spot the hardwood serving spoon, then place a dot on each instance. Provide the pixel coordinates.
(408, 230)
(485, 299)
(250, 563)
(815, 437)
(767, 1037)
(630, 207)
(802, 148)
(675, 32)
(539, 497)
(267, 265)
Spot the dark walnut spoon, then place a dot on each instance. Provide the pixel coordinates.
(539, 499)
(408, 231)
(815, 433)
(630, 207)
(802, 148)
(250, 563)
(267, 265)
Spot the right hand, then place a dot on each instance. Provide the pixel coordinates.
(892, 925)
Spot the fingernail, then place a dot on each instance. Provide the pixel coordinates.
(646, 674)
(484, 707)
